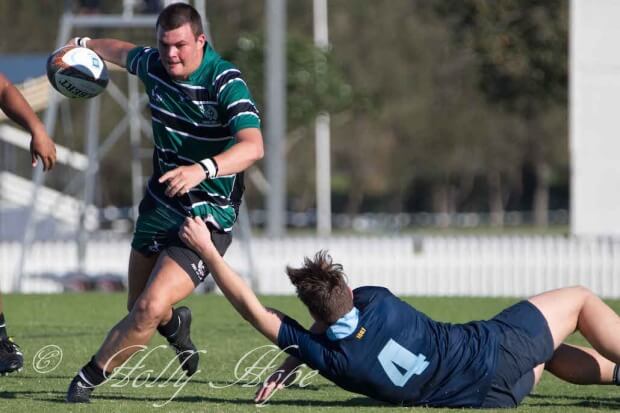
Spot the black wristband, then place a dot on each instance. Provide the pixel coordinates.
(81, 41)
(217, 168)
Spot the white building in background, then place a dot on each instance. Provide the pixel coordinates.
(594, 70)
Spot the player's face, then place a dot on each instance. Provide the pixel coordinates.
(181, 52)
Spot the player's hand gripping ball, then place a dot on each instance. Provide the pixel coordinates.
(77, 72)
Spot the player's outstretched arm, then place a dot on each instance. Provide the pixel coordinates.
(196, 235)
(15, 106)
(111, 50)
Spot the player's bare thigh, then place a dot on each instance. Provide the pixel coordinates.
(561, 309)
(168, 283)
(140, 268)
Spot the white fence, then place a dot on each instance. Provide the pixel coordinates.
(463, 265)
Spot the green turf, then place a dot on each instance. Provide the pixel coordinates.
(77, 324)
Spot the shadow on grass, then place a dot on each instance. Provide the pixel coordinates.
(534, 400)
(213, 385)
(31, 395)
(353, 402)
(58, 397)
(561, 400)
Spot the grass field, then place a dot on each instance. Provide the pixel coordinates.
(77, 323)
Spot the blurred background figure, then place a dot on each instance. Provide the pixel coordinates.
(42, 149)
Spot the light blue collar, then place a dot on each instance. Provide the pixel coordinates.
(344, 326)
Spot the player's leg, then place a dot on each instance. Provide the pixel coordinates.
(177, 330)
(2, 322)
(581, 365)
(577, 308)
(11, 357)
(538, 371)
(140, 269)
(156, 231)
(167, 285)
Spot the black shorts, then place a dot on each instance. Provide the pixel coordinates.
(526, 343)
(190, 261)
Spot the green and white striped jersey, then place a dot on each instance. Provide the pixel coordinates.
(193, 120)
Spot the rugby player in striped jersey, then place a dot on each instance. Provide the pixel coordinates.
(206, 132)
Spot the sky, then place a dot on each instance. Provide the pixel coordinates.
(20, 67)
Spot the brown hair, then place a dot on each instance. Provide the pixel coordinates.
(178, 14)
(321, 286)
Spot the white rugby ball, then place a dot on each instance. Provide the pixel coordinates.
(77, 72)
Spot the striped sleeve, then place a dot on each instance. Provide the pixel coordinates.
(138, 60)
(233, 95)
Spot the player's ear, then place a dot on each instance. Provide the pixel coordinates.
(201, 40)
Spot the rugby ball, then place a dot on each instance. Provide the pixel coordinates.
(77, 72)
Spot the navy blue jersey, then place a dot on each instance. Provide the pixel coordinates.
(386, 349)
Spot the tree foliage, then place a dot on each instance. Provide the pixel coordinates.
(521, 48)
(313, 84)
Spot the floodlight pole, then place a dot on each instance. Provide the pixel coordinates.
(275, 122)
(322, 134)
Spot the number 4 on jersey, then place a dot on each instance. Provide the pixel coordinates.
(400, 364)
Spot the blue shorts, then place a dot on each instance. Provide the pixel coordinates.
(526, 343)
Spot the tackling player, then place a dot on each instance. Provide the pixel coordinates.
(206, 131)
(370, 342)
(17, 109)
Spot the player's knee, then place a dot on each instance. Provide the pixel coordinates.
(148, 312)
(582, 291)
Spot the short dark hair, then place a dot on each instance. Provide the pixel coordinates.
(178, 14)
(322, 287)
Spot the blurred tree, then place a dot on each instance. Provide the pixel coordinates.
(29, 26)
(418, 114)
(314, 83)
(313, 80)
(522, 51)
